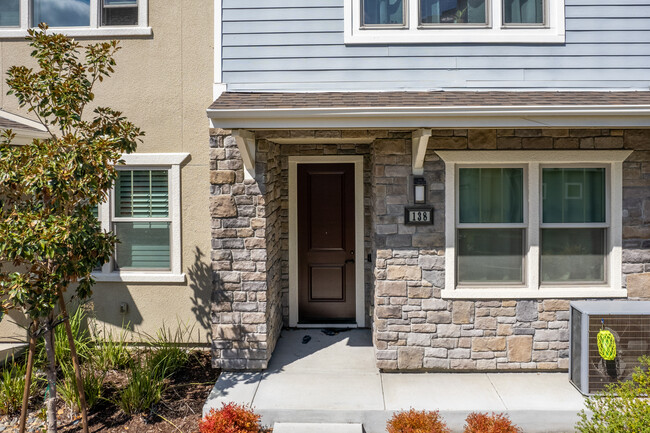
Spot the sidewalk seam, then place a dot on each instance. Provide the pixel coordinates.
(497, 391)
(383, 395)
(257, 388)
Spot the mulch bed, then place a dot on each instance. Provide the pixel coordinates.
(179, 411)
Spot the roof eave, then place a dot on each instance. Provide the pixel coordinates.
(587, 116)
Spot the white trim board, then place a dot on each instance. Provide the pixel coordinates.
(359, 230)
(597, 116)
(93, 29)
(171, 162)
(552, 31)
(612, 159)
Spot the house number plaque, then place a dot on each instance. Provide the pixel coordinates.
(418, 215)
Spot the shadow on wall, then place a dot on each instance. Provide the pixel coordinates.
(107, 306)
(200, 277)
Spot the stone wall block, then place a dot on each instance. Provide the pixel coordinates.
(526, 311)
(520, 348)
(638, 286)
(484, 344)
(391, 288)
(410, 358)
(223, 206)
(462, 312)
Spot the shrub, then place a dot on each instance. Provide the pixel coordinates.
(484, 423)
(231, 418)
(167, 352)
(93, 383)
(81, 336)
(144, 389)
(110, 353)
(622, 407)
(415, 421)
(12, 386)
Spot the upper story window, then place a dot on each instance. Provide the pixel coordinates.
(454, 21)
(75, 17)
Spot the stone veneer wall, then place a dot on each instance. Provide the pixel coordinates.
(246, 255)
(414, 329)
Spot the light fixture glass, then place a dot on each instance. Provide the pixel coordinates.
(419, 190)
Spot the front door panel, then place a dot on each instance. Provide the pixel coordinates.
(326, 256)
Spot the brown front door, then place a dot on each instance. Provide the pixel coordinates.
(326, 253)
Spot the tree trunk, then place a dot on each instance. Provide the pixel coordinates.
(50, 402)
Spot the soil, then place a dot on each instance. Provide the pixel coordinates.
(179, 411)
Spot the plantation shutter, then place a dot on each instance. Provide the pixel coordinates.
(142, 194)
(141, 197)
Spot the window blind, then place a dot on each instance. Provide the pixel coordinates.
(142, 194)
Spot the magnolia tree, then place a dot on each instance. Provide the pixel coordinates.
(50, 240)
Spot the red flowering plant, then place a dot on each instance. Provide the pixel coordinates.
(414, 421)
(484, 423)
(232, 418)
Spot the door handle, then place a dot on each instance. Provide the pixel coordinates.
(349, 261)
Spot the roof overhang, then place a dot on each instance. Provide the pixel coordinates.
(546, 116)
(25, 130)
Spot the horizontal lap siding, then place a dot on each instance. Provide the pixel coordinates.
(298, 45)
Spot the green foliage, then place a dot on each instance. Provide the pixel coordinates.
(12, 387)
(622, 407)
(484, 423)
(144, 389)
(82, 340)
(168, 352)
(417, 421)
(48, 232)
(111, 353)
(93, 383)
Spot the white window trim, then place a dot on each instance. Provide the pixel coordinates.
(613, 159)
(171, 162)
(358, 224)
(553, 32)
(94, 29)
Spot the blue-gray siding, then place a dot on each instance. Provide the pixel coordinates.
(298, 45)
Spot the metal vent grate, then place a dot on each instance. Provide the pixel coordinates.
(632, 334)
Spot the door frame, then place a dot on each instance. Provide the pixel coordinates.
(359, 232)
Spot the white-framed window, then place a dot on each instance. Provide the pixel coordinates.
(533, 224)
(75, 17)
(144, 211)
(454, 21)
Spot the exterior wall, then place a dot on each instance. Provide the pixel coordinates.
(163, 84)
(250, 240)
(413, 328)
(295, 45)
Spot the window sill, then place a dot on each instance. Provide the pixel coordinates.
(83, 32)
(457, 35)
(545, 293)
(138, 277)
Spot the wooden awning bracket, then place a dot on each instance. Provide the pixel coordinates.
(420, 139)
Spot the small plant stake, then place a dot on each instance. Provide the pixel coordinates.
(75, 363)
(28, 375)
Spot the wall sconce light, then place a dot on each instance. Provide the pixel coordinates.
(419, 190)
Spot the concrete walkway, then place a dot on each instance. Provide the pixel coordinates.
(333, 379)
(8, 350)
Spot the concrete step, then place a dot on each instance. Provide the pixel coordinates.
(290, 427)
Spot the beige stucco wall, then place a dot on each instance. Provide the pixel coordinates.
(163, 84)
